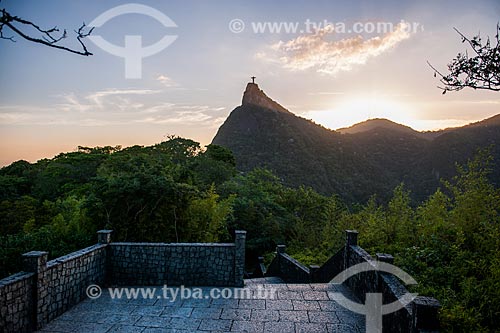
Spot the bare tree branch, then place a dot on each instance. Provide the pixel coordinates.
(49, 37)
(479, 72)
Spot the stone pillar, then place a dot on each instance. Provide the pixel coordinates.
(239, 257)
(36, 262)
(261, 267)
(385, 257)
(104, 236)
(351, 239)
(425, 314)
(313, 273)
(280, 249)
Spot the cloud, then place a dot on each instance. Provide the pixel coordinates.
(169, 113)
(108, 99)
(166, 81)
(327, 93)
(112, 107)
(97, 98)
(316, 51)
(184, 118)
(485, 101)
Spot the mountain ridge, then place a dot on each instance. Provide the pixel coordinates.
(374, 123)
(262, 133)
(370, 124)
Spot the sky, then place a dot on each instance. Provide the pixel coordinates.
(337, 63)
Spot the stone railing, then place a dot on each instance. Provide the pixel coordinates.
(286, 267)
(17, 303)
(30, 299)
(421, 315)
(194, 264)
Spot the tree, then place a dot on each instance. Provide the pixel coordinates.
(257, 209)
(214, 166)
(480, 71)
(207, 217)
(48, 37)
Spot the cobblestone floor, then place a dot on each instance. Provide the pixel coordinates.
(296, 308)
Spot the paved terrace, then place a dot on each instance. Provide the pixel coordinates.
(296, 308)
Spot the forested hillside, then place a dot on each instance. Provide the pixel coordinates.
(176, 191)
(369, 158)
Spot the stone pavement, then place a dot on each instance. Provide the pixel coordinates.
(295, 308)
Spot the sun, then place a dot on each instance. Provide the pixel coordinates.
(355, 109)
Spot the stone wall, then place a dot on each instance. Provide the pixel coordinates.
(30, 299)
(421, 315)
(365, 282)
(189, 264)
(66, 279)
(286, 267)
(401, 320)
(331, 268)
(16, 303)
(171, 264)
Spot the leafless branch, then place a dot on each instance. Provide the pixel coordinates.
(49, 37)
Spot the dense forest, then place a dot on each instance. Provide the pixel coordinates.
(177, 191)
(372, 157)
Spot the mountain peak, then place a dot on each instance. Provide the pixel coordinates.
(255, 96)
(371, 124)
(376, 158)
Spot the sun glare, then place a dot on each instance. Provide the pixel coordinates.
(356, 109)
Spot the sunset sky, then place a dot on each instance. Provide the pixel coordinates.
(53, 101)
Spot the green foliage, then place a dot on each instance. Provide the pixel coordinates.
(15, 214)
(176, 192)
(207, 218)
(257, 210)
(158, 193)
(16, 180)
(315, 231)
(67, 230)
(214, 166)
(133, 190)
(68, 171)
(450, 244)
